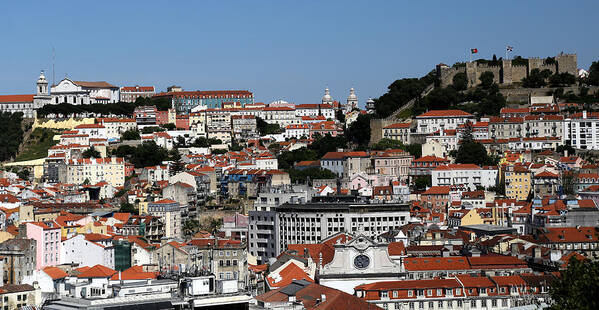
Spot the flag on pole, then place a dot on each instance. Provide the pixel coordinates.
(509, 48)
(474, 50)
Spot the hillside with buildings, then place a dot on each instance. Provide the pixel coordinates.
(444, 193)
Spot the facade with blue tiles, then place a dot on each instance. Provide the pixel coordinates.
(185, 101)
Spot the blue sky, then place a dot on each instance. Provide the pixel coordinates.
(278, 49)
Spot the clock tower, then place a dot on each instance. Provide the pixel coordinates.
(360, 260)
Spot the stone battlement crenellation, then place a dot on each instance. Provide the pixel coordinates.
(506, 73)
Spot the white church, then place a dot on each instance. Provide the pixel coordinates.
(66, 91)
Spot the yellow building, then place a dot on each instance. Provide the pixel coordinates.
(463, 217)
(93, 228)
(94, 170)
(518, 182)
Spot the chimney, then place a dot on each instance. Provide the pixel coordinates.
(514, 248)
(537, 252)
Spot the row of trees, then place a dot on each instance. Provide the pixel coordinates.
(119, 108)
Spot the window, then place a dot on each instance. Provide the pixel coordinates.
(395, 294)
(410, 293)
(411, 305)
(421, 305)
(439, 304)
(384, 294)
(439, 292)
(473, 303)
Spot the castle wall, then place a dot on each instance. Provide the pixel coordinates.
(567, 63)
(518, 73)
(445, 75)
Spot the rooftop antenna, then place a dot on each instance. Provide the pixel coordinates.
(53, 61)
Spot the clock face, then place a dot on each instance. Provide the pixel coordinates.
(361, 261)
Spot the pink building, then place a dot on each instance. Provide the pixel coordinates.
(47, 235)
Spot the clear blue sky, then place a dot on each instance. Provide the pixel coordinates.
(278, 49)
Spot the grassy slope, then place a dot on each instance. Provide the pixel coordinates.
(38, 144)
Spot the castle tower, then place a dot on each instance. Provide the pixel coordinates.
(327, 99)
(352, 100)
(506, 72)
(370, 106)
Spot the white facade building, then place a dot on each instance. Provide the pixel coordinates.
(79, 250)
(432, 121)
(82, 92)
(581, 130)
(467, 174)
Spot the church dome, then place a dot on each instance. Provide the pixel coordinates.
(352, 94)
(327, 96)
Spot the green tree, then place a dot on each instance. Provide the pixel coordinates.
(265, 128)
(213, 224)
(460, 81)
(190, 227)
(287, 159)
(577, 287)
(12, 134)
(301, 176)
(359, 131)
(400, 92)
(340, 116)
(565, 147)
(169, 126)
(328, 143)
(422, 182)
(91, 152)
(127, 208)
(151, 129)
(177, 164)
(472, 152)
(132, 134)
(593, 78)
(486, 79)
(536, 78)
(562, 79)
(24, 174)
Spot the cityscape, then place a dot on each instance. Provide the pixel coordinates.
(461, 178)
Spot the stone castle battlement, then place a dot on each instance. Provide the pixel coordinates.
(505, 73)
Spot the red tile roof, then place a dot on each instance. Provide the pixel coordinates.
(445, 113)
(287, 275)
(55, 273)
(16, 98)
(97, 271)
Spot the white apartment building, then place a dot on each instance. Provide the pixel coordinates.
(581, 130)
(434, 120)
(170, 213)
(312, 110)
(283, 116)
(467, 174)
(325, 216)
(94, 170)
(115, 127)
(93, 131)
(296, 131)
